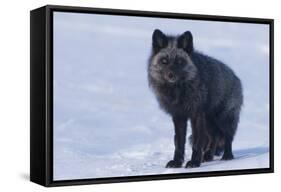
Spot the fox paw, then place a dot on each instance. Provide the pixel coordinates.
(192, 164)
(174, 164)
(227, 157)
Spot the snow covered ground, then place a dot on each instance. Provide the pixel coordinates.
(106, 120)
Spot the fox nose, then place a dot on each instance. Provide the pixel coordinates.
(171, 75)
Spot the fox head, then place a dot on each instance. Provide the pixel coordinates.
(170, 61)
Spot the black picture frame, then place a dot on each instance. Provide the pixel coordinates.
(41, 94)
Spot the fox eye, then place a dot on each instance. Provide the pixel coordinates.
(164, 61)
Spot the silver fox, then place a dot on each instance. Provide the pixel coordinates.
(192, 86)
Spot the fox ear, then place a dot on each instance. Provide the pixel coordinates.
(159, 40)
(185, 41)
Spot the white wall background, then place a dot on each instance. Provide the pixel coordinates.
(14, 99)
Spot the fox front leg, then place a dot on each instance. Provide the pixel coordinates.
(199, 136)
(180, 124)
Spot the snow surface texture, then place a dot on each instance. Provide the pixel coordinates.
(107, 122)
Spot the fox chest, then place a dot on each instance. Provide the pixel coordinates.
(174, 102)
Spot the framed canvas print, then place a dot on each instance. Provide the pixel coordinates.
(122, 95)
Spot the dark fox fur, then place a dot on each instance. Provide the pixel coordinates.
(192, 86)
